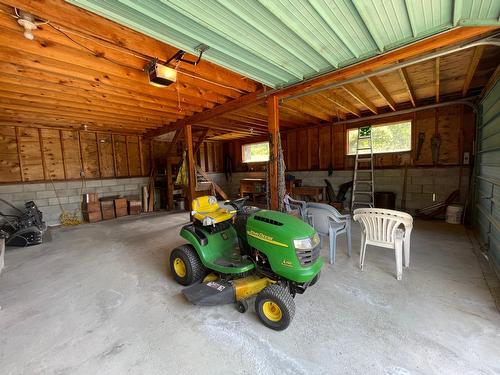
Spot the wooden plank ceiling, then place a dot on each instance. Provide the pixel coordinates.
(83, 71)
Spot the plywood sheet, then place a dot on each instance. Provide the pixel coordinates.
(338, 146)
(30, 153)
(325, 148)
(291, 144)
(313, 147)
(10, 170)
(146, 156)
(71, 153)
(120, 143)
(52, 154)
(450, 130)
(302, 150)
(210, 156)
(106, 159)
(88, 142)
(425, 122)
(134, 158)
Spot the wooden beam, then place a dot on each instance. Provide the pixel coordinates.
(308, 107)
(382, 92)
(445, 39)
(360, 97)
(274, 129)
(75, 58)
(493, 79)
(474, 62)
(407, 83)
(437, 78)
(191, 171)
(76, 21)
(242, 102)
(201, 139)
(175, 140)
(342, 103)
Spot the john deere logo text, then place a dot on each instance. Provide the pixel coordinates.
(263, 237)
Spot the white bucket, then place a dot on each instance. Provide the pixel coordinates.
(454, 213)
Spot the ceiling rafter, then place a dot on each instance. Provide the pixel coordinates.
(382, 92)
(360, 97)
(474, 62)
(342, 103)
(407, 84)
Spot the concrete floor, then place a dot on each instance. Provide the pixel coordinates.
(98, 299)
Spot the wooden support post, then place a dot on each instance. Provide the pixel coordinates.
(190, 166)
(274, 129)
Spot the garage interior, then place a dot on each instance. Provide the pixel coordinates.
(116, 116)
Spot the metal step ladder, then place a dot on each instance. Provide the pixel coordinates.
(363, 188)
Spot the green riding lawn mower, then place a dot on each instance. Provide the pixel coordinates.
(238, 253)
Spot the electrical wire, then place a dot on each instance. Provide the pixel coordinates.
(137, 55)
(122, 50)
(96, 54)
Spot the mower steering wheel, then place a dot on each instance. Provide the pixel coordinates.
(238, 203)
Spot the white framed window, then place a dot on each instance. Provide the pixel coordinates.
(255, 152)
(394, 137)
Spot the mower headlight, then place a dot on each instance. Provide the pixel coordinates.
(307, 243)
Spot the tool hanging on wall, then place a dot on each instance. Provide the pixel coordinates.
(435, 145)
(420, 143)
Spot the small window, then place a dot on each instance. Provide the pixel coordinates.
(395, 137)
(255, 152)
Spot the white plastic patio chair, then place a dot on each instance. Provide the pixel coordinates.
(382, 227)
(292, 205)
(329, 222)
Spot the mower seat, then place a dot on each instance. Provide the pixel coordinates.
(207, 211)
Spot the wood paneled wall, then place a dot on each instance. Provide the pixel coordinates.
(316, 148)
(209, 157)
(38, 154)
(41, 154)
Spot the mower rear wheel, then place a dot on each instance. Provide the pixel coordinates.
(186, 266)
(275, 307)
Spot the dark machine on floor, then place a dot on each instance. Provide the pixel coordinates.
(237, 253)
(26, 228)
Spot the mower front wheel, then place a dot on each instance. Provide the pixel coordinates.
(186, 266)
(275, 307)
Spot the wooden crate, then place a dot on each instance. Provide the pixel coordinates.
(107, 209)
(134, 206)
(90, 198)
(121, 207)
(91, 212)
(92, 217)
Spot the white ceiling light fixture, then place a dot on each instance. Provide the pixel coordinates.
(29, 22)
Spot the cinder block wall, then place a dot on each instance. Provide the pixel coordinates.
(48, 196)
(421, 183)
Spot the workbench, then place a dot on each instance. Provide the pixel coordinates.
(313, 193)
(254, 187)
